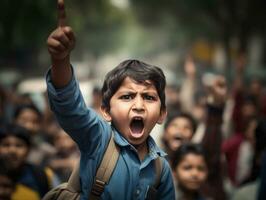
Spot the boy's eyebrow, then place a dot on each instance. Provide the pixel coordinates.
(145, 91)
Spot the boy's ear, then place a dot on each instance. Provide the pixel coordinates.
(106, 114)
(162, 117)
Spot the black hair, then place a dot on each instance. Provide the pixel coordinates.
(16, 131)
(138, 71)
(22, 107)
(174, 115)
(187, 148)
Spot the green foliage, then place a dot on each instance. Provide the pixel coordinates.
(102, 27)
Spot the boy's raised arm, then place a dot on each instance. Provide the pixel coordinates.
(60, 43)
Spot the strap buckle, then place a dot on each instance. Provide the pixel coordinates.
(98, 187)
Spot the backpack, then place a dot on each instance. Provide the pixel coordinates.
(71, 190)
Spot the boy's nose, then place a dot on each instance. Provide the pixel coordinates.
(138, 104)
(195, 173)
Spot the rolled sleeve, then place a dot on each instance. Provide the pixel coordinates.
(82, 123)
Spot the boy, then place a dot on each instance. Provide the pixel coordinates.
(133, 101)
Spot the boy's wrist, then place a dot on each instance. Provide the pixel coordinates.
(61, 72)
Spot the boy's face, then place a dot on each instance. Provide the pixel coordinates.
(178, 131)
(134, 110)
(29, 119)
(191, 172)
(14, 150)
(63, 143)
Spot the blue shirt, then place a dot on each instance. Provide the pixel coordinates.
(131, 178)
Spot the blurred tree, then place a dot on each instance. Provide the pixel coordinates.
(215, 19)
(23, 26)
(98, 24)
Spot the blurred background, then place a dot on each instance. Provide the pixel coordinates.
(191, 40)
(161, 32)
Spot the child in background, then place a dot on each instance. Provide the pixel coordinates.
(29, 117)
(32, 182)
(179, 128)
(66, 156)
(190, 171)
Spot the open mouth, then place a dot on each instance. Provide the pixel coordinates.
(175, 142)
(136, 126)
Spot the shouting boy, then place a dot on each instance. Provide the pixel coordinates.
(133, 102)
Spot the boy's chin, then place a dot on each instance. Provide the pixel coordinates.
(136, 142)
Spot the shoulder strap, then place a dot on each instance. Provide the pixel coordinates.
(73, 181)
(158, 170)
(105, 169)
(152, 192)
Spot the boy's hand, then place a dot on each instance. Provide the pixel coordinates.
(62, 40)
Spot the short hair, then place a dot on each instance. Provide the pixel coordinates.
(22, 107)
(138, 71)
(174, 115)
(16, 131)
(185, 149)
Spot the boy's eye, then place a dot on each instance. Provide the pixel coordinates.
(126, 96)
(202, 168)
(187, 167)
(149, 97)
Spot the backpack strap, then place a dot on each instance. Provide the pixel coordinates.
(152, 191)
(158, 170)
(73, 183)
(105, 169)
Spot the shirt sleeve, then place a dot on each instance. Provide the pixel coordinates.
(83, 124)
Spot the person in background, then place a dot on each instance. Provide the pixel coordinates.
(211, 139)
(66, 156)
(238, 151)
(190, 171)
(254, 186)
(29, 117)
(32, 182)
(179, 128)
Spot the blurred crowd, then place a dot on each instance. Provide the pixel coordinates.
(214, 135)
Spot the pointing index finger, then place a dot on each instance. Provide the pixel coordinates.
(61, 13)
